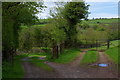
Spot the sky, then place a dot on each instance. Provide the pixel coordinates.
(98, 9)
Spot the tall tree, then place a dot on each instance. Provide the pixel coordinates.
(72, 12)
(15, 13)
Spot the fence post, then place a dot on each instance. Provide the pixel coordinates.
(108, 44)
(96, 45)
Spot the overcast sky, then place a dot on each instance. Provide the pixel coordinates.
(97, 9)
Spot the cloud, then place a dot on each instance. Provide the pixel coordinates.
(45, 12)
(43, 16)
(50, 4)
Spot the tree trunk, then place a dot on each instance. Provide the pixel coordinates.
(62, 47)
(55, 52)
(108, 44)
(8, 55)
(59, 49)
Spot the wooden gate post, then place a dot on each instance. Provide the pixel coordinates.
(108, 44)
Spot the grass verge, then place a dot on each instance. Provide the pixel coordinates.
(15, 70)
(89, 57)
(67, 56)
(113, 54)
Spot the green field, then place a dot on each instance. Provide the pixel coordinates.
(67, 56)
(44, 20)
(114, 20)
(113, 54)
(39, 25)
(89, 57)
(114, 43)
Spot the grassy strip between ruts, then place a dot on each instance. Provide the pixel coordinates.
(89, 57)
(67, 56)
(113, 54)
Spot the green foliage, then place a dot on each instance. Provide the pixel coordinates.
(70, 13)
(25, 39)
(113, 54)
(41, 48)
(7, 33)
(67, 56)
(108, 25)
(73, 12)
(29, 9)
(37, 36)
(89, 57)
(113, 31)
(83, 25)
(13, 14)
(57, 35)
(90, 36)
